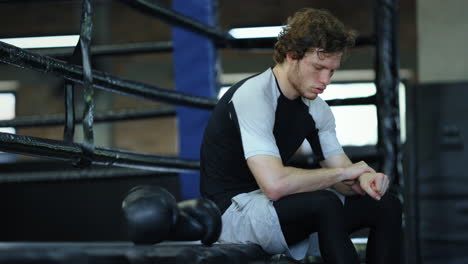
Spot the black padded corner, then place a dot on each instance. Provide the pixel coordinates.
(127, 253)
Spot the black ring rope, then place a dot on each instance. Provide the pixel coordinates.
(109, 116)
(352, 101)
(101, 80)
(85, 43)
(75, 175)
(136, 114)
(70, 151)
(153, 8)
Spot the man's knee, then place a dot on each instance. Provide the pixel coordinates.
(330, 203)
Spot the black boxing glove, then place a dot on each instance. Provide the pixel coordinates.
(187, 229)
(150, 214)
(202, 212)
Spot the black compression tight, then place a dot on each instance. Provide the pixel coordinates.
(321, 211)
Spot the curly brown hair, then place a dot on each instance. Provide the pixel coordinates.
(312, 28)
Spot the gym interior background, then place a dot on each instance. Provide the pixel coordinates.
(433, 69)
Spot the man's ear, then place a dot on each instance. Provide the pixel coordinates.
(291, 55)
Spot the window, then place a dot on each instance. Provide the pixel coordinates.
(7, 111)
(7, 103)
(356, 125)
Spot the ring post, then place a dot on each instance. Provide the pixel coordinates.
(195, 73)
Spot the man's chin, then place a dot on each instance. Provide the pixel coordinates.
(310, 96)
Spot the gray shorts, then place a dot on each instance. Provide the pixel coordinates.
(251, 218)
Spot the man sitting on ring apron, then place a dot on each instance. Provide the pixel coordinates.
(256, 128)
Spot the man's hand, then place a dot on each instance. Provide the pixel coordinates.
(374, 184)
(355, 186)
(354, 171)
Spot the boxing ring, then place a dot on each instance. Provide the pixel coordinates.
(121, 163)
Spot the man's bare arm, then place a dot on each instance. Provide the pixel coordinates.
(371, 182)
(277, 180)
(341, 161)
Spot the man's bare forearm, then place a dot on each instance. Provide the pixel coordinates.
(302, 180)
(344, 189)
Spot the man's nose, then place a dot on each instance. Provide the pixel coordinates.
(325, 78)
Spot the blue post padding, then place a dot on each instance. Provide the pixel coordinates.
(195, 73)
